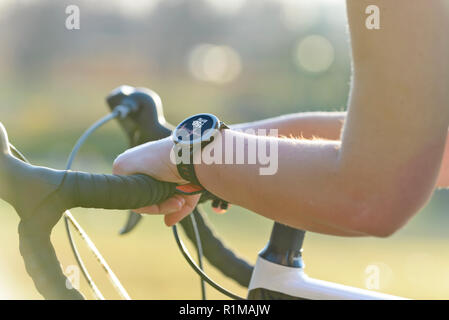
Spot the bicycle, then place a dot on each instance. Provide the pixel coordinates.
(277, 274)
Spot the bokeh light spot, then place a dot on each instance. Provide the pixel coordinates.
(212, 63)
(314, 54)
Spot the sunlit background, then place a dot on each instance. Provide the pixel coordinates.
(240, 59)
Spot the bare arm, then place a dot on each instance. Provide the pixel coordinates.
(324, 125)
(308, 125)
(386, 165)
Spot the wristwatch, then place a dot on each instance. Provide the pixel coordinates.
(190, 137)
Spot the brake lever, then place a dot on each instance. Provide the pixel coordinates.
(132, 220)
(146, 122)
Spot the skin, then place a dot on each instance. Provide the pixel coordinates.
(366, 177)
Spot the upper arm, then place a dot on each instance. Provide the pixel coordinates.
(394, 134)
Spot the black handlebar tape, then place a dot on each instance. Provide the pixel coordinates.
(114, 191)
(216, 252)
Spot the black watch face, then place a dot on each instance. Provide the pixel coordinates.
(196, 129)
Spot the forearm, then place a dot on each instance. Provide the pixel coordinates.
(306, 192)
(324, 125)
(309, 125)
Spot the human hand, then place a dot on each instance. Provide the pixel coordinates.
(153, 159)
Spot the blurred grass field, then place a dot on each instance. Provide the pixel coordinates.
(150, 266)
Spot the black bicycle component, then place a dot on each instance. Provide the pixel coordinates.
(41, 195)
(284, 246)
(132, 221)
(146, 122)
(198, 270)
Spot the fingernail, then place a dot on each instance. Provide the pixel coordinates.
(177, 208)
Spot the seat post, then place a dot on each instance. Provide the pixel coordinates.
(284, 246)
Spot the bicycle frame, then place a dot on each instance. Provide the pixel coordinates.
(279, 273)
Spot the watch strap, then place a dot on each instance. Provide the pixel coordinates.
(187, 171)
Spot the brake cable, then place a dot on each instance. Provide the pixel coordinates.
(200, 272)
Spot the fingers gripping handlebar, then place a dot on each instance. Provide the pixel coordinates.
(41, 195)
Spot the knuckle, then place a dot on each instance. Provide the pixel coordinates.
(119, 165)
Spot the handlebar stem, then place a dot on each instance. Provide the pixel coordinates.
(285, 246)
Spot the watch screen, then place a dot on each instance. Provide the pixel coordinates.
(196, 128)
